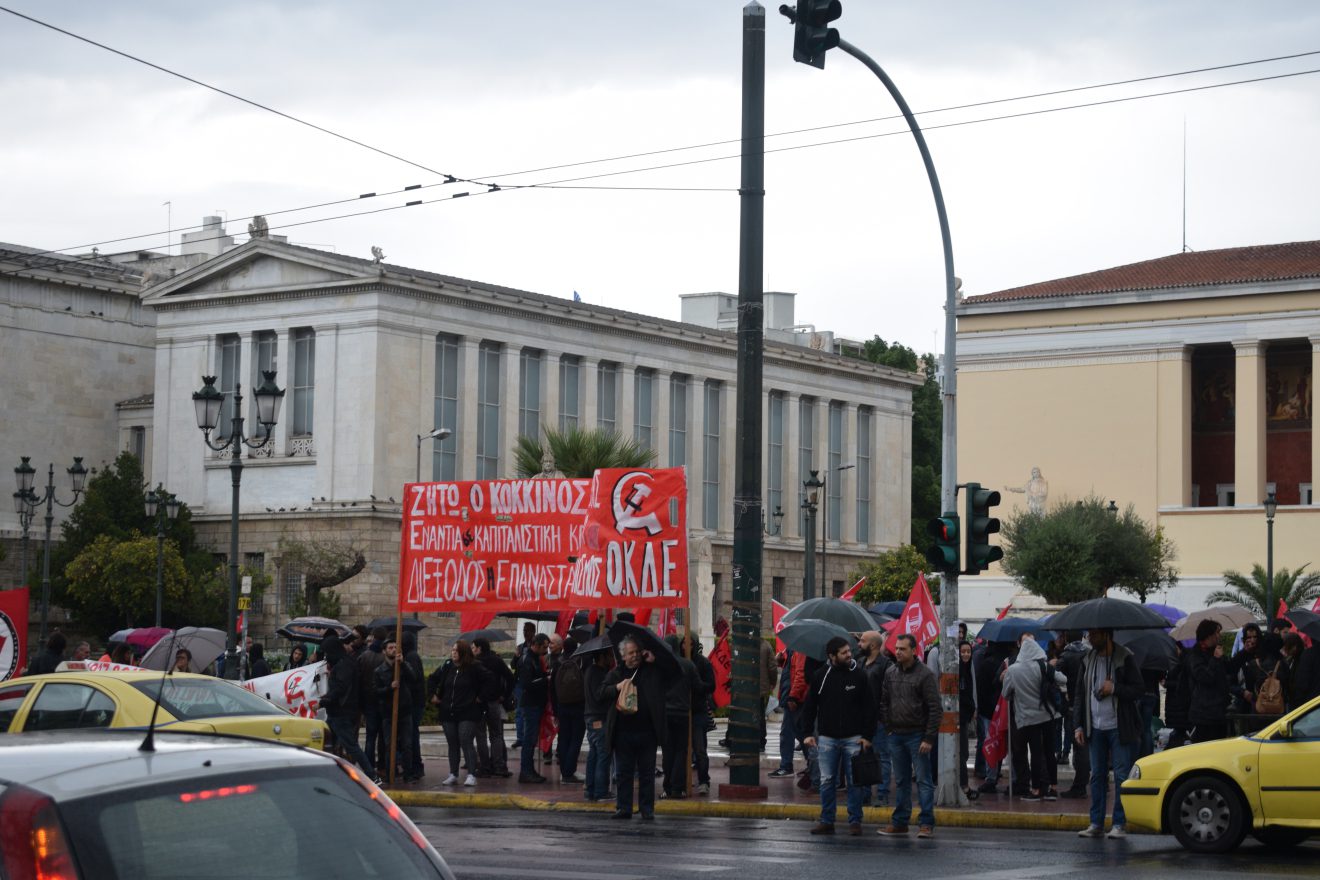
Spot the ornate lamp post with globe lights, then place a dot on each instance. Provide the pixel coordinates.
(27, 497)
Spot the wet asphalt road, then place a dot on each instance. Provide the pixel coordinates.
(574, 846)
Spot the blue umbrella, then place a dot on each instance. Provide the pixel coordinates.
(892, 610)
(1010, 629)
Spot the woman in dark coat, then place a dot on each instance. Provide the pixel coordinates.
(457, 688)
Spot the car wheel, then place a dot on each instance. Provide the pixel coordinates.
(1281, 838)
(1206, 814)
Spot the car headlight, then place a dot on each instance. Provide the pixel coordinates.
(1135, 772)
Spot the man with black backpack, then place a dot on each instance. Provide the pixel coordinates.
(570, 706)
(1033, 688)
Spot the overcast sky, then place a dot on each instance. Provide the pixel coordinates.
(94, 144)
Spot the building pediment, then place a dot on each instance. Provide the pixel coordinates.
(261, 267)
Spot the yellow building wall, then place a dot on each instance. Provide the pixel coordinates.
(1212, 540)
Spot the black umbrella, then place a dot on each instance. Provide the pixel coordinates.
(1010, 629)
(1107, 614)
(313, 629)
(582, 634)
(392, 623)
(647, 641)
(1307, 622)
(811, 636)
(880, 619)
(490, 635)
(1152, 649)
(850, 616)
(594, 645)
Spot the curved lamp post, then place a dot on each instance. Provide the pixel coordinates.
(161, 506)
(1271, 505)
(208, 402)
(24, 474)
(433, 434)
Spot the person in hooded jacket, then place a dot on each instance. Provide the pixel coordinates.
(368, 660)
(384, 684)
(417, 697)
(341, 702)
(492, 754)
(701, 717)
(987, 664)
(457, 689)
(966, 708)
(838, 719)
(682, 694)
(49, 659)
(257, 658)
(1034, 715)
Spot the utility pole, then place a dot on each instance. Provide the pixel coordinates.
(744, 726)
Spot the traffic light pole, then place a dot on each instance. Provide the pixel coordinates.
(947, 791)
(746, 707)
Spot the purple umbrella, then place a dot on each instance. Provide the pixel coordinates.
(1171, 614)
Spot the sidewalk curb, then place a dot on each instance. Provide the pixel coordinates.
(952, 818)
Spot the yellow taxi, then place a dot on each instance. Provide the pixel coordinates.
(1211, 795)
(189, 703)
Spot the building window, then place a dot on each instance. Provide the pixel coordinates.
(304, 381)
(777, 589)
(607, 396)
(263, 360)
(775, 455)
(255, 563)
(864, 476)
(678, 420)
(488, 411)
(444, 453)
(834, 486)
(710, 460)
(291, 588)
(227, 369)
(570, 389)
(806, 450)
(529, 393)
(644, 408)
(137, 443)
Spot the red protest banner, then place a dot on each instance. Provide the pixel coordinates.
(491, 545)
(721, 660)
(851, 594)
(634, 552)
(919, 619)
(13, 632)
(777, 612)
(996, 738)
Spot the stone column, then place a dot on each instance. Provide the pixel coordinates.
(589, 371)
(510, 398)
(660, 429)
(549, 391)
(325, 414)
(792, 527)
(728, 453)
(466, 429)
(1173, 428)
(696, 452)
(848, 503)
(627, 406)
(1249, 424)
(425, 408)
(284, 373)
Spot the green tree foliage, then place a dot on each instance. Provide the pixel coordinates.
(927, 430)
(579, 452)
(112, 582)
(325, 564)
(890, 576)
(1078, 550)
(206, 600)
(328, 605)
(1294, 587)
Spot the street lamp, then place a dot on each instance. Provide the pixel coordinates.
(1271, 505)
(207, 403)
(1112, 508)
(433, 434)
(778, 517)
(161, 506)
(812, 485)
(825, 524)
(24, 474)
(25, 513)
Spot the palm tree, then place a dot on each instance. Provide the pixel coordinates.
(1298, 590)
(579, 452)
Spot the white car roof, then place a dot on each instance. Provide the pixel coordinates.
(72, 764)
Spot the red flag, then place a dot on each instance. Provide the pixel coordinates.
(777, 612)
(545, 736)
(470, 620)
(1004, 613)
(1283, 609)
(852, 591)
(721, 659)
(13, 632)
(564, 622)
(1316, 606)
(996, 737)
(919, 619)
(642, 616)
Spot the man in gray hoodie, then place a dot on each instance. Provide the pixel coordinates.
(1026, 684)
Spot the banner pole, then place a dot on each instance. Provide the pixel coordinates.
(394, 708)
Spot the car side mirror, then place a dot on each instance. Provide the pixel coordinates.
(1285, 731)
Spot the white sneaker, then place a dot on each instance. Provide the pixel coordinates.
(451, 779)
(470, 781)
(1091, 831)
(1118, 832)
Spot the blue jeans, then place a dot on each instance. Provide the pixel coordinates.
(598, 760)
(905, 753)
(835, 756)
(531, 733)
(1108, 753)
(787, 739)
(880, 742)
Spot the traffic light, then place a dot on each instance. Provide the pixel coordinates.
(980, 526)
(812, 37)
(943, 555)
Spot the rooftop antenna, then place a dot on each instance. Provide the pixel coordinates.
(169, 226)
(1184, 194)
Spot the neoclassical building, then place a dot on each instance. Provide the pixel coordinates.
(1181, 385)
(374, 355)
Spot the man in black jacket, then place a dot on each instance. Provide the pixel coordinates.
(1107, 720)
(367, 661)
(417, 699)
(1070, 664)
(492, 754)
(1207, 671)
(840, 710)
(872, 648)
(987, 664)
(534, 682)
(680, 703)
(52, 657)
(701, 717)
(385, 689)
(635, 736)
(341, 702)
